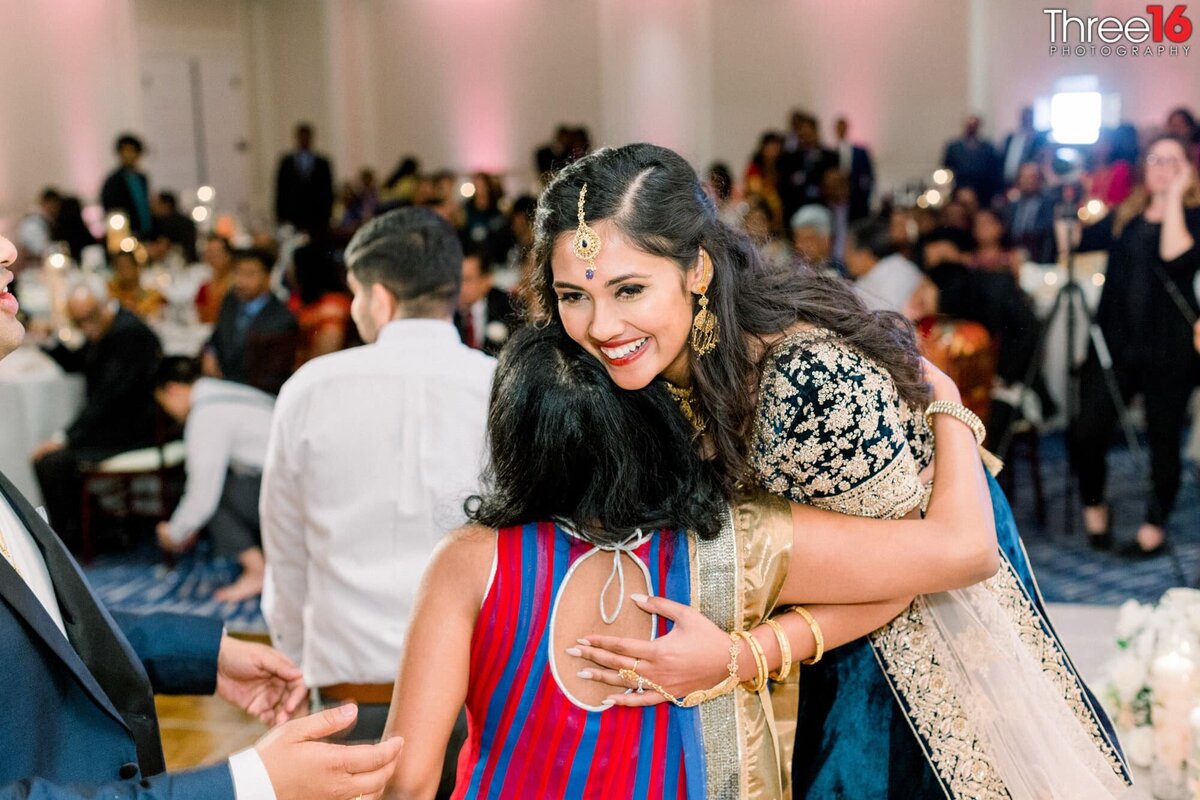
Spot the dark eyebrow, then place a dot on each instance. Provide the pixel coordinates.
(616, 280)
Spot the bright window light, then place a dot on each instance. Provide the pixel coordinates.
(1075, 117)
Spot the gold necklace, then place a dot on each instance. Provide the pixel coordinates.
(8, 556)
(686, 399)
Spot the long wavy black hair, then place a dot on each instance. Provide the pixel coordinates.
(655, 199)
(567, 442)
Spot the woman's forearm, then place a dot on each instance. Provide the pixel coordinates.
(839, 624)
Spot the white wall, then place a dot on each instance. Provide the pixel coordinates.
(477, 84)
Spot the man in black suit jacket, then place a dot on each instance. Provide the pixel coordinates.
(118, 362)
(304, 186)
(1030, 217)
(175, 227)
(255, 338)
(79, 683)
(974, 161)
(485, 317)
(855, 162)
(1021, 146)
(803, 164)
(127, 189)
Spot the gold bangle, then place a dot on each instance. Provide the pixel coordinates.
(785, 651)
(818, 637)
(759, 681)
(961, 413)
(724, 687)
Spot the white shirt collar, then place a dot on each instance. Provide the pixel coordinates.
(407, 331)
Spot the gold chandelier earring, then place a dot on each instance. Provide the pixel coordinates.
(706, 328)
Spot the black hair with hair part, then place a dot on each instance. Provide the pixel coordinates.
(566, 442)
(258, 254)
(655, 199)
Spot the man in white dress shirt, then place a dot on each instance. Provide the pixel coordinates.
(79, 682)
(226, 426)
(373, 451)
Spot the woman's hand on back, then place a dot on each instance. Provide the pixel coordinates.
(694, 655)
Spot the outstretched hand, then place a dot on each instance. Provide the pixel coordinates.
(302, 767)
(694, 655)
(259, 680)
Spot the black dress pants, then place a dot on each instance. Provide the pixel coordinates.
(1165, 390)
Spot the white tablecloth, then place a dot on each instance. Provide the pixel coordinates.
(35, 401)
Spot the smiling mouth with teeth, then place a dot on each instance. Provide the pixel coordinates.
(625, 350)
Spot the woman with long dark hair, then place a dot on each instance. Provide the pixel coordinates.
(1147, 311)
(594, 493)
(791, 384)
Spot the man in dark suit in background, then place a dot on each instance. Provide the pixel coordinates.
(173, 226)
(118, 362)
(974, 161)
(79, 683)
(485, 318)
(127, 189)
(1021, 146)
(304, 186)
(255, 338)
(802, 164)
(855, 162)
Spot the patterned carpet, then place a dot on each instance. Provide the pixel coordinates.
(1068, 571)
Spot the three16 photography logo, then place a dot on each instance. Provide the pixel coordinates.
(1160, 32)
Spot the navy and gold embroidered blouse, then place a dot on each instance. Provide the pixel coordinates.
(833, 432)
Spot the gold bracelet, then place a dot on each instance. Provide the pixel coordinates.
(961, 413)
(724, 687)
(818, 637)
(759, 681)
(785, 650)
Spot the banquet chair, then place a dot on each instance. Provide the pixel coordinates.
(141, 483)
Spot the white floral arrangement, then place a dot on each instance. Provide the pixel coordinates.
(1158, 665)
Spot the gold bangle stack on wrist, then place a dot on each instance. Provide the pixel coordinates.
(785, 651)
(967, 417)
(818, 637)
(759, 682)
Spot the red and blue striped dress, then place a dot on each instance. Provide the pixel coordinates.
(526, 739)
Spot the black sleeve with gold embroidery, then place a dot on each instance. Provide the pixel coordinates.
(833, 432)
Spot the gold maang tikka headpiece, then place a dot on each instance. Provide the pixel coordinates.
(586, 243)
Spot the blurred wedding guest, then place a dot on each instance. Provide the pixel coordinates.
(973, 161)
(1147, 309)
(1109, 177)
(372, 452)
(883, 278)
(127, 189)
(1021, 146)
(762, 173)
(444, 198)
(484, 223)
(812, 239)
(553, 156)
(82, 682)
(254, 341)
(218, 255)
(757, 223)
(1181, 123)
(485, 317)
(400, 188)
(320, 303)
(174, 226)
(126, 287)
(35, 232)
(117, 360)
(1030, 217)
(835, 194)
(304, 186)
(225, 432)
(520, 221)
(854, 161)
(990, 297)
(993, 250)
(69, 227)
(802, 163)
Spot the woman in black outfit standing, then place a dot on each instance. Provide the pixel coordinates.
(1147, 311)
